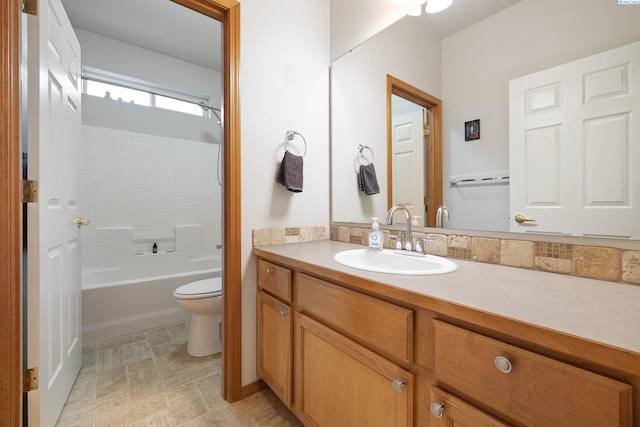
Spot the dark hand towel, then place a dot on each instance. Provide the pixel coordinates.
(290, 173)
(368, 180)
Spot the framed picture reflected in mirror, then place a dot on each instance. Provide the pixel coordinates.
(472, 130)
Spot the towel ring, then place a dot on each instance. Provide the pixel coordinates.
(361, 148)
(290, 135)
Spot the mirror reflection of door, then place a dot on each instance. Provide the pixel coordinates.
(408, 161)
(414, 150)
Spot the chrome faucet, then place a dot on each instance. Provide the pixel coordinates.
(442, 211)
(407, 215)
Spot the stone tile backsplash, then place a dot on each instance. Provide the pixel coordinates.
(283, 235)
(595, 262)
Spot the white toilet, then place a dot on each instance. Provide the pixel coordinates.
(203, 299)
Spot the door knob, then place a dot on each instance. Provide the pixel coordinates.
(81, 221)
(521, 218)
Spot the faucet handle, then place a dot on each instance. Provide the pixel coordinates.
(418, 246)
(398, 238)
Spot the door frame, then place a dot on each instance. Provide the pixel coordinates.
(433, 150)
(10, 216)
(228, 13)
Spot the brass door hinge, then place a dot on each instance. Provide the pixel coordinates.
(29, 191)
(29, 7)
(29, 380)
(427, 201)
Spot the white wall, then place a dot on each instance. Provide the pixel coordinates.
(359, 109)
(477, 64)
(284, 84)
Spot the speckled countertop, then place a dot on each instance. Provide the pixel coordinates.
(600, 311)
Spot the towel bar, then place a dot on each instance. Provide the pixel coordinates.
(361, 148)
(289, 136)
(485, 180)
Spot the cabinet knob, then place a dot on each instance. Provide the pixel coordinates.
(282, 313)
(398, 385)
(437, 409)
(503, 364)
(269, 270)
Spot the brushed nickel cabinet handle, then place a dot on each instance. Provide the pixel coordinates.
(269, 270)
(503, 364)
(398, 385)
(437, 409)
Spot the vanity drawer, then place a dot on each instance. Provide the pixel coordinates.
(534, 390)
(274, 279)
(384, 326)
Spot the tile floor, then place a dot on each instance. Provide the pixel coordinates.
(148, 379)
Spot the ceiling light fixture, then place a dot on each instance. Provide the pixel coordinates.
(435, 6)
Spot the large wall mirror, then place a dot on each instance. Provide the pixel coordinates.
(469, 71)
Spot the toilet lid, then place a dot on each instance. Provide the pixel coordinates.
(200, 289)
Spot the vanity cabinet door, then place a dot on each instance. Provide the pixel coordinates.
(274, 347)
(448, 410)
(341, 383)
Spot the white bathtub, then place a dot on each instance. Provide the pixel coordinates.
(118, 308)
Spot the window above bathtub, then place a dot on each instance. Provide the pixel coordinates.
(120, 88)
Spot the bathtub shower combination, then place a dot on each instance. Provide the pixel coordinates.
(138, 294)
(155, 212)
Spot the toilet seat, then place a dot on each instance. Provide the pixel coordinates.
(200, 289)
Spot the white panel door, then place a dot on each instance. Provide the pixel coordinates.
(53, 293)
(575, 147)
(408, 164)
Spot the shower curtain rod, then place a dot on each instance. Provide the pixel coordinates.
(130, 86)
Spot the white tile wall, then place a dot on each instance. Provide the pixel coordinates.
(136, 188)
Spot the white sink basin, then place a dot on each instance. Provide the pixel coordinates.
(387, 261)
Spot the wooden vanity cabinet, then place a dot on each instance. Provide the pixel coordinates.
(276, 280)
(385, 327)
(338, 345)
(344, 341)
(341, 355)
(448, 410)
(275, 329)
(529, 388)
(341, 383)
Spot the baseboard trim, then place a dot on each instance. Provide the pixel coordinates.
(252, 388)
